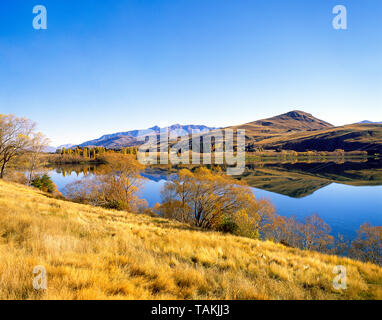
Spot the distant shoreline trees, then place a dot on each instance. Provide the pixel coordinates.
(87, 154)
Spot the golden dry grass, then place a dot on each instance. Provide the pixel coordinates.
(92, 253)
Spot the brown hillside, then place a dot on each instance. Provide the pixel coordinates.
(360, 137)
(293, 121)
(300, 131)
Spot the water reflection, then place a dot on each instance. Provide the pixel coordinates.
(302, 179)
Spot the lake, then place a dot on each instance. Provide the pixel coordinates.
(344, 195)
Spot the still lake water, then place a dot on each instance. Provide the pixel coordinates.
(343, 195)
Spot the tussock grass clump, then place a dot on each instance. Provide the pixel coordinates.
(94, 253)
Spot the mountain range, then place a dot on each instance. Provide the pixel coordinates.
(370, 122)
(130, 138)
(294, 130)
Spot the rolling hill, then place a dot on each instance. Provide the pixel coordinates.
(293, 121)
(94, 253)
(300, 131)
(359, 137)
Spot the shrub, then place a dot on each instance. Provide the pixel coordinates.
(228, 226)
(44, 183)
(116, 205)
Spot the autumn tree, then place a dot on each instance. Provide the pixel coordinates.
(368, 244)
(311, 234)
(38, 143)
(116, 184)
(282, 229)
(15, 139)
(211, 199)
(315, 234)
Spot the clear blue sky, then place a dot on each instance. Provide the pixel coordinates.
(108, 66)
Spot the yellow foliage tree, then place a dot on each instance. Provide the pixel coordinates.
(115, 185)
(211, 199)
(15, 138)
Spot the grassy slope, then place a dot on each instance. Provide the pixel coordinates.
(92, 253)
